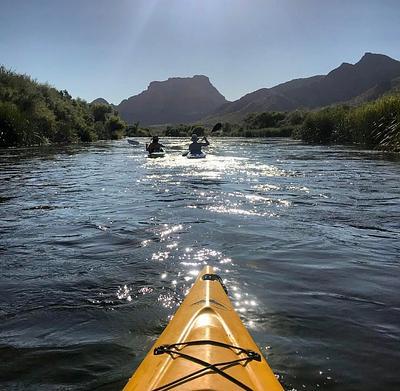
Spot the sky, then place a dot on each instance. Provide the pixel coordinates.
(115, 48)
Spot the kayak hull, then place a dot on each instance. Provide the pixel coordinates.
(205, 330)
(196, 155)
(156, 155)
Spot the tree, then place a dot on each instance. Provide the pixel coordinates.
(100, 111)
(33, 113)
(115, 127)
(13, 125)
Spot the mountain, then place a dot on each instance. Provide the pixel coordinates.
(175, 100)
(369, 78)
(190, 99)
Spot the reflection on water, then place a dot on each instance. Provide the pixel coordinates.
(99, 245)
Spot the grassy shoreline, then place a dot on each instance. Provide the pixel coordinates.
(372, 125)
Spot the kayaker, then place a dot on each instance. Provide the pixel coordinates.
(154, 146)
(195, 146)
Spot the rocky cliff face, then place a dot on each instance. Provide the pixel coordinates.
(175, 100)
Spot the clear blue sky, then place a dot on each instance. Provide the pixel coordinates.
(115, 48)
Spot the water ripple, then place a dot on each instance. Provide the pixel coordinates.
(99, 245)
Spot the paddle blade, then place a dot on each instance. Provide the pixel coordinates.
(216, 127)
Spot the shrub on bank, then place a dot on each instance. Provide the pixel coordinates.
(285, 131)
(325, 126)
(33, 114)
(373, 125)
(265, 120)
(377, 124)
(184, 130)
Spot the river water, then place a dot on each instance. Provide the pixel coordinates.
(99, 245)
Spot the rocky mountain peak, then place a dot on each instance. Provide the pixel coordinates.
(177, 99)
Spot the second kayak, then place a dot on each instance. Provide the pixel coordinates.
(156, 154)
(201, 155)
(205, 347)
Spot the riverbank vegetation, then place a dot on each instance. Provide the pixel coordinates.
(268, 124)
(373, 125)
(34, 114)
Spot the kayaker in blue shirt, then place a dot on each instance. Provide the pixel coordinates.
(154, 146)
(195, 146)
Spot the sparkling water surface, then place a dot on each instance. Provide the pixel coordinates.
(99, 244)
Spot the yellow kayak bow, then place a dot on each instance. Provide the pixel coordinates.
(204, 347)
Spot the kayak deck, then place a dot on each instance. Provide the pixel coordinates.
(204, 347)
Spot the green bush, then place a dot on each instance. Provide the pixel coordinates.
(319, 127)
(100, 112)
(268, 119)
(13, 125)
(184, 130)
(267, 132)
(33, 113)
(374, 125)
(176, 131)
(296, 118)
(143, 132)
(115, 128)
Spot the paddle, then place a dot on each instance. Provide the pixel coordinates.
(216, 127)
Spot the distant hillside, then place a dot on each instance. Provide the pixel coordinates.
(100, 101)
(175, 100)
(187, 100)
(368, 79)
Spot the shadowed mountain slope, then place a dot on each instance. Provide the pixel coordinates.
(369, 78)
(190, 99)
(175, 100)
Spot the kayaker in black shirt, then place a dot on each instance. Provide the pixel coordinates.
(154, 146)
(195, 146)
